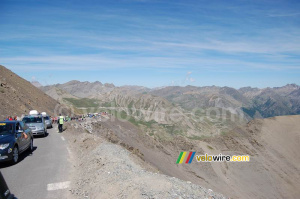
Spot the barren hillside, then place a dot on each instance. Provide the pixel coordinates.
(57, 93)
(272, 144)
(153, 114)
(18, 96)
(107, 170)
(256, 103)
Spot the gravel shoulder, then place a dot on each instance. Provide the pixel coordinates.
(102, 169)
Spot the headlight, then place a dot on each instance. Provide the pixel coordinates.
(4, 146)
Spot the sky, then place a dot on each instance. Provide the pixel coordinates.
(153, 43)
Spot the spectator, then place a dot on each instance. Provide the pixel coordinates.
(60, 123)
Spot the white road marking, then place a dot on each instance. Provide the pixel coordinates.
(69, 151)
(58, 186)
(62, 138)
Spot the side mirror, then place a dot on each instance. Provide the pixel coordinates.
(20, 131)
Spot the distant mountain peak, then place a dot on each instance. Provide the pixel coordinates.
(36, 84)
(292, 86)
(109, 85)
(73, 82)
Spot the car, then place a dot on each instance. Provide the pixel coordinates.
(48, 121)
(36, 123)
(15, 138)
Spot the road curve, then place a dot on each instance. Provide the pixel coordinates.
(43, 174)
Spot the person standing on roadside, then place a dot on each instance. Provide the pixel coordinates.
(60, 123)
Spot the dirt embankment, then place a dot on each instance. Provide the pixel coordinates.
(103, 169)
(273, 146)
(18, 96)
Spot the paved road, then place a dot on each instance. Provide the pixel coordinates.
(44, 174)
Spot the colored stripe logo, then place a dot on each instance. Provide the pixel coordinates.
(189, 159)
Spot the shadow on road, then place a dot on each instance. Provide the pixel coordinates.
(40, 136)
(22, 156)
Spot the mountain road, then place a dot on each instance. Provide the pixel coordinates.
(44, 173)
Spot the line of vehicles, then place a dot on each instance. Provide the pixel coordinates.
(16, 136)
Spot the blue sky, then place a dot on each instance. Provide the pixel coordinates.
(153, 43)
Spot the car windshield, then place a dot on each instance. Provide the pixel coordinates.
(46, 118)
(32, 120)
(6, 128)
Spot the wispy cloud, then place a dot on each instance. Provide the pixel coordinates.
(284, 14)
(189, 36)
(99, 62)
(188, 77)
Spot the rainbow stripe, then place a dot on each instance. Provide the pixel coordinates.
(190, 158)
(182, 156)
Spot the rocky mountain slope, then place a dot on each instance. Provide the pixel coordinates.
(153, 114)
(18, 96)
(190, 97)
(254, 102)
(107, 170)
(36, 84)
(272, 144)
(57, 93)
(85, 89)
(189, 111)
(273, 171)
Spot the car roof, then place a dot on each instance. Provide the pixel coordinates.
(10, 122)
(40, 116)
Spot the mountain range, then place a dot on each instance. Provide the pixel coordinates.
(254, 102)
